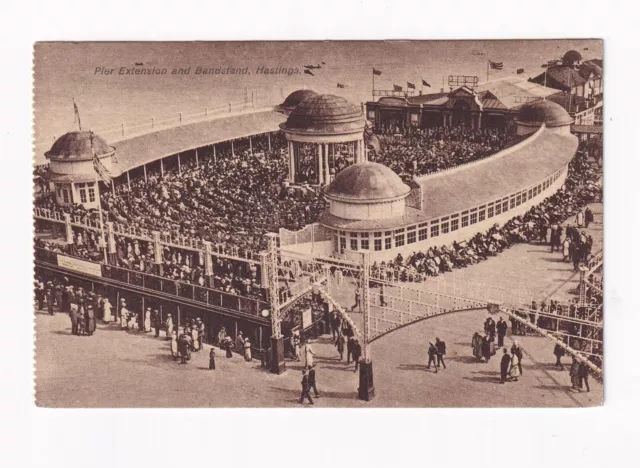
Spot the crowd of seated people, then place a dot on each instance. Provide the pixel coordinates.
(423, 151)
(532, 226)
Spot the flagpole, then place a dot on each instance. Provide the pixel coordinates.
(104, 239)
(488, 69)
(373, 86)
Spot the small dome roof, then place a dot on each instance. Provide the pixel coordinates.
(571, 57)
(366, 182)
(77, 145)
(549, 113)
(297, 97)
(325, 114)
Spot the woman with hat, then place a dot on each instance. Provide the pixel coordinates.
(147, 320)
(247, 350)
(169, 325)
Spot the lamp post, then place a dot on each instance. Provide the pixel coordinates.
(366, 390)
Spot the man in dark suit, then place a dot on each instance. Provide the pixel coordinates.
(305, 388)
(583, 375)
(432, 352)
(312, 381)
(350, 343)
(501, 328)
(357, 352)
(504, 365)
(441, 349)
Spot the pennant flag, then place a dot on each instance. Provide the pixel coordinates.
(323, 63)
(496, 65)
(377, 72)
(410, 85)
(340, 85)
(308, 72)
(97, 165)
(520, 71)
(424, 83)
(397, 88)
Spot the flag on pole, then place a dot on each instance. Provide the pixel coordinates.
(102, 171)
(520, 71)
(411, 85)
(496, 65)
(424, 83)
(397, 88)
(377, 72)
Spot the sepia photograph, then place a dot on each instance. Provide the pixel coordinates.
(343, 224)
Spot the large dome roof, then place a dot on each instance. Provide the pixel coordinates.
(367, 182)
(543, 112)
(571, 57)
(77, 146)
(325, 114)
(297, 97)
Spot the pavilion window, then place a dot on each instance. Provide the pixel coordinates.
(444, 227)
(65, 195)
(336, 243)
(400, 240)
(364, 240)
(354, 244)
(387, 243)
(465, 221)
(377, 245)
(435, 230)
(474, 218)
(505, 206)
(343, 244)
(422, 234)
(83, 193)
(92, 193)
(454, 225)
(512, 203)
(411, 237)
(518, 200)
(481, 215)
(490, 212)
(530, 194)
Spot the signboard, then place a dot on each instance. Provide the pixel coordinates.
(81, 266)
(456, 81)
(307, 318)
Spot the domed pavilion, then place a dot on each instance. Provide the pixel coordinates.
(324, 133)
(548, 113)
(72, 171)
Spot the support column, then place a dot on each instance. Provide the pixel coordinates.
(208, 264)
(292, 163)
(327, 176)
(444, 119)
(179, 166)
(111, 244)
(582, 297)
(214, 154)
(269, 139)
(320, 169)
(479, 126)
(366, 390)
(197, 162)
(161, 168)
(67, 228)
(128, 180)
(233, 151)
(157, 253)
(277, 341)
(145, 173)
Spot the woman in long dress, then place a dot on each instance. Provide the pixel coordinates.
(228, 345)
(169, 324)
(147, 320)
(106, 307)
(124, 318)
(247, 350)
(174, 346)
(194, 337)
(308, 355)
(90, 320)
(476, 344)
(514, 370)
(580, 218)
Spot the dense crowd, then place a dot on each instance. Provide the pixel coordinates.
(535, 225)
(424, 151)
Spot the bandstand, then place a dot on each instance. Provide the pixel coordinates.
(324, 133)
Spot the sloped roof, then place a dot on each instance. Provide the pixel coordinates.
(546, 113)
(324, 114)
(562, 77)
(367, 182)
(77, 146)
(514, 91)
(136, 151)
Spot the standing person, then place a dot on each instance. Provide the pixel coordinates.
(50, 299)
(357, 352)
(340, 345)
(583, 375)
(517, 351)
(305, 388)
(239, 342)
(588, 217)
(90, 320)
(147, 320)
(195, 336)
(58, 297)
(308, 355)
(157, 323)
(247, 350)
(212, 359)
(514, 370)
(566, 249)
(74, 320)
(174, 345)
(124, 317)
(228, 345)
(580, 218)
(558, 351)
(574, 373)
(169, 325)
(505, 362)
(476, 345)
(357, 298)
(501, 328)
(312, 381)
(106, 306)
(486, 349)
(441, 349)
(432, 352)
(334, 322)
(350, 343)
(201, 331)
(383, 303)
(295, 342)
